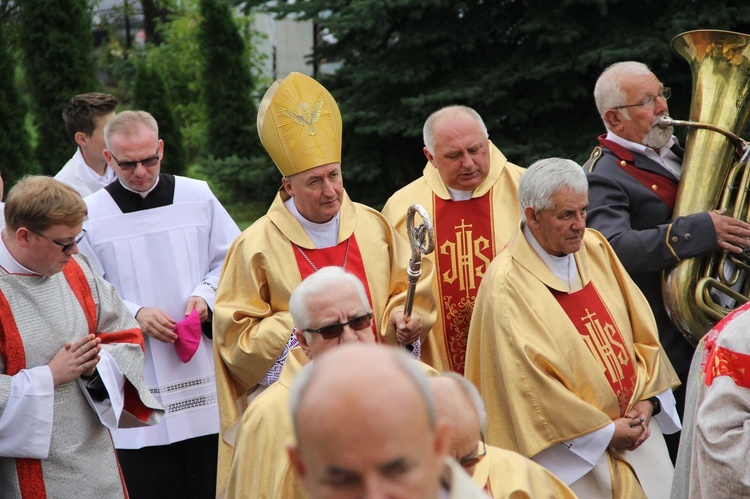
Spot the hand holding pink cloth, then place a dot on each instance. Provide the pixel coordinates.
(188, 336)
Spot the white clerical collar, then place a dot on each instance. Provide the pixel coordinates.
(564, 267)
(9, 263)
(323, 235)
(142, 194)
(107, 178)
(665, 157)
(457, 195)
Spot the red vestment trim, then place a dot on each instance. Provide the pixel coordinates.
(666, 188)
(725, 362)
(590, 316)
(29, 471)
(80, 286)
(720, 361)
(336, 256)
(465, 246)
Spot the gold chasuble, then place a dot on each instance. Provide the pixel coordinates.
(551, 371)
(468, 236)
(252, 323)
(505, 474)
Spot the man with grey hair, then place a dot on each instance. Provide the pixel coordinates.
(565, 352)
(329, 308)
(161, 241)
(469, 189)
(500, 473)
(633, 178)
(366, 426)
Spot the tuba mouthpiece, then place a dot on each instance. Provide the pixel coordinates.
(665, 121)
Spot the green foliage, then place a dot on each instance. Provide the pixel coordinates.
(178, 60)
(237, 179)
(528, 68)
(56, 39)
(150, 94)
(14, 141)
(227, 83)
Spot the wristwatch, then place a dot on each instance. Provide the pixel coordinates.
(657, 406)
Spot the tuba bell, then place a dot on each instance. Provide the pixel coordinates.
(700, 291)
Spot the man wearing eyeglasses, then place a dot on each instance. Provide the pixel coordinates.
(329, 308)
(564, 349)
(71, 355)
(633, 176)
(161, 241)
(500, 473)
(311, 224)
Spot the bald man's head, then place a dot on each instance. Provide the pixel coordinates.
(461, 408)
(364, 417)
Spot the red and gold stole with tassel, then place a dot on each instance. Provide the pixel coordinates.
(592, 319)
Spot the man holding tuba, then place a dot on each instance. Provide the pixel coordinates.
(633, 178)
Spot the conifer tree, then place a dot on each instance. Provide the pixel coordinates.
(528, 68)
(150, 94)
(56, 39)
(234, 156)
(14, 141)
(227, 83)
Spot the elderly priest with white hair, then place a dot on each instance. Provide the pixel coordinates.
(564, 349)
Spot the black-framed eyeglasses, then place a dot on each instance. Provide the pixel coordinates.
(333, 331)
(469, 461)
(649, 101)
(132, 165)
(65, 246)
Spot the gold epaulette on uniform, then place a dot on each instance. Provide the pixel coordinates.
(595, 155)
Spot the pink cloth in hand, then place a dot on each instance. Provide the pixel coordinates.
(188, 336)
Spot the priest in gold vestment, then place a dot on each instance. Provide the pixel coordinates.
(311, 224)
(330, 298)
(564, 349)
(470, 191)
(366, 425)
(501, 473)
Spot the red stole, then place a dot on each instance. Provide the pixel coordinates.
(720, 361)
(464, 248)
(594, 323)
(80, 286)
(12, 351)
(345, 254)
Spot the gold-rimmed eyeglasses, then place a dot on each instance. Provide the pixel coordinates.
(649, 101)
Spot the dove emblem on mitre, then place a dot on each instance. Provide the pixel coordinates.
(305, 115)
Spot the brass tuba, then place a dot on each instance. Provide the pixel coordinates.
(720, 64)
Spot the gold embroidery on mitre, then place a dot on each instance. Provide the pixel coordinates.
(306, 116)
(299, 124)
